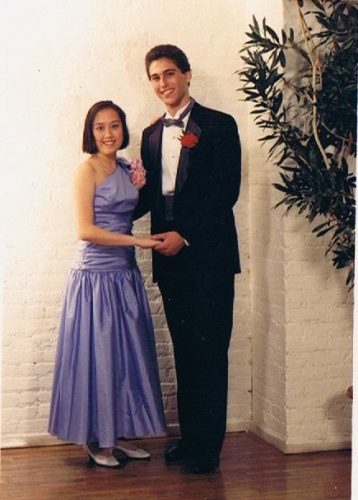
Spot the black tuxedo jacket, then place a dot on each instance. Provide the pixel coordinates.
(207, 187)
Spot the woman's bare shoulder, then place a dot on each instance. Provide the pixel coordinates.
(86, 168)
(85, 174)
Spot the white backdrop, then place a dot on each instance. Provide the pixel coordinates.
(58, 58)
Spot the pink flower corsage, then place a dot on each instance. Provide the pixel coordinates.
(189, 140)
(137, 173)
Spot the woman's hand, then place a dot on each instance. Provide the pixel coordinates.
(145, 242)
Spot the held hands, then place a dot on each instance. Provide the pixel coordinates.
(169, 243)
(146, 242)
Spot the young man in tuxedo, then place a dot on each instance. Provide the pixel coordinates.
(192, 158)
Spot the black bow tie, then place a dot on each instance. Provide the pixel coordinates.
(178, 122)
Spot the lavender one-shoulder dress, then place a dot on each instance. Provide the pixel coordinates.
(106, 382)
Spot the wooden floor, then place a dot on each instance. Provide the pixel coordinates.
(250, 469)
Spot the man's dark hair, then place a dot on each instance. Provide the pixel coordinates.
(169, 52)
(88, 142)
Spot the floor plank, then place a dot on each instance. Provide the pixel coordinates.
(250, 469)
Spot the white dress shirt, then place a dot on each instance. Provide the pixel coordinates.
(171, 148)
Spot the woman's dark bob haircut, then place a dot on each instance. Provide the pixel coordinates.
(89, 143)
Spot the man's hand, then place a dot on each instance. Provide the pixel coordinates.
(170, 243)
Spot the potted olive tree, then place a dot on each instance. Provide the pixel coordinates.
(309, 115)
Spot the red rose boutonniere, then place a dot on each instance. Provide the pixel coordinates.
(189, 140)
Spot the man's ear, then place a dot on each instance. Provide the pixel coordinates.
(188, 75)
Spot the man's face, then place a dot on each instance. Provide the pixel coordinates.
(169, 83)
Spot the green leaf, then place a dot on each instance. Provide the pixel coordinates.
(318, 4)
(302, 52)
(282, 58)
(250, 94)
(291, 37)
(280, 187)
(350, 277)
(319, 227)
(267, 137)
(273, 34)
(323, 232)
(256, 25)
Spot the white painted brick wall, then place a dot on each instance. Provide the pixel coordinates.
(56, 68)
(301, 316)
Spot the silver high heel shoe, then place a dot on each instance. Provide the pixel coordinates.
(132, 451)
(96, 457)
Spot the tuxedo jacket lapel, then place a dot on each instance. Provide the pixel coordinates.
(184, 164)
(155, 147)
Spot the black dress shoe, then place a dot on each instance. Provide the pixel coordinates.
(176, 453)
(202, 465)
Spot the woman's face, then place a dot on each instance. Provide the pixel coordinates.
(108, 131)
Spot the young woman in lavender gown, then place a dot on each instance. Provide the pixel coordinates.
(106, 385)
